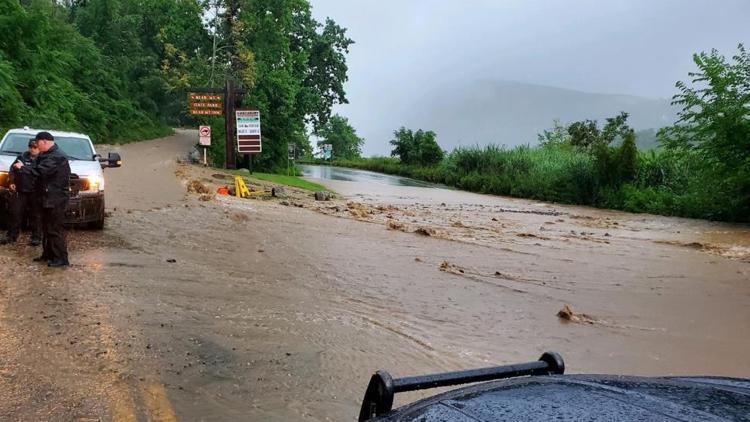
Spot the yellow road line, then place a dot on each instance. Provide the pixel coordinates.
(155, 399)
(123, 407)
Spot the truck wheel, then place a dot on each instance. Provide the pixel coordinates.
(4, 217)
(98, 224)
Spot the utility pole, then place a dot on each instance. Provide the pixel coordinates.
(230, 96)
(229, 123)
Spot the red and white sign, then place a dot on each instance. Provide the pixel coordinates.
(204, 138)
(248, 132)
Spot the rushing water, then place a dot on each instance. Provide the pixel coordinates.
(233, 309)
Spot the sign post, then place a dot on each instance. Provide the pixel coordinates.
(204, 140)
(291, 156)
(218, 102)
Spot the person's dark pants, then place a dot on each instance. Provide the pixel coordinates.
(24, 207)
(55, 248)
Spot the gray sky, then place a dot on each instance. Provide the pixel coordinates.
(407, 49)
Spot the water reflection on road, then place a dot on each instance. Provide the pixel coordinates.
(362, 176)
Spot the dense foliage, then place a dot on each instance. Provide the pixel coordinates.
(703, 170)
(342, 137)
(52, 76)
(120, 69)
(293, 67)
(416, 148)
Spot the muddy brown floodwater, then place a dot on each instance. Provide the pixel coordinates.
(190, 307)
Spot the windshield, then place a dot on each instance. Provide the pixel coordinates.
(74, 147)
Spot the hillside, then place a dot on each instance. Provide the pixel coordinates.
(511, 113)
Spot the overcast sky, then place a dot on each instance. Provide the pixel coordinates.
(405, 48)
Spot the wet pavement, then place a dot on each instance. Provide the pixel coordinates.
(359, 176)
(280, 309)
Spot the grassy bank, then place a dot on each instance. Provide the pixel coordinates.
(661, 183)
(282, 179)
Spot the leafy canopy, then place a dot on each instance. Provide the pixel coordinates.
(342, 136)
(715, 116)
(714, 124)
(416, 148)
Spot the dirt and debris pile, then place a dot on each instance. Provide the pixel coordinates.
(425, 231)
(392, 224)
(196, 186)
(278, 192)
(447, 267)
(239, 217)
(568, 314)
(358, 210)
(322, 196)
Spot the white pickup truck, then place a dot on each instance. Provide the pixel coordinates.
(86, 206)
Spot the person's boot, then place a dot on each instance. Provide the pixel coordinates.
(41, 258)
(57, 263)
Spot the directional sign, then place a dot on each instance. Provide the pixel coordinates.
(204, 138)
(205, 104)
(248, 132)
(327, 151)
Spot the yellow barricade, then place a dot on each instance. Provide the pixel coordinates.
(240, 188)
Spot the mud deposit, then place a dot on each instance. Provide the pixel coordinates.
(281, 308)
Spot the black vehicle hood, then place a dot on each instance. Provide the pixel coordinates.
(587, 398)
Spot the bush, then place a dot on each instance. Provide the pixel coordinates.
(656, 181)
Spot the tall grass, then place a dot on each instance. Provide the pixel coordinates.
(664, 182)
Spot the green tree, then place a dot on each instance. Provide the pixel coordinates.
(614, 165)
(342, 136)
(615, 128)
(627, 158)
(715, 116)
(299, 71)
(559, 134)
(61, 79)
(715, 124)
(584, 134)
(157, 47)
(416, 148)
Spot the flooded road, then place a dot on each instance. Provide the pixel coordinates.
(194, 307)
(359, 176)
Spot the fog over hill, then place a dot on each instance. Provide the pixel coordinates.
(436, 64)
(507, 113)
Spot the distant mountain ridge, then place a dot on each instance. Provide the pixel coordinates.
(513, 113)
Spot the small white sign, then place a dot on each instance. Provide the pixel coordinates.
(204, 136)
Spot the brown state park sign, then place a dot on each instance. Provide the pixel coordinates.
(205, 104)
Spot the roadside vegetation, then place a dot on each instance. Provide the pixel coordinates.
(282, 179)
(120, 70)
(342, 137)
(701, 170)
(94, 66)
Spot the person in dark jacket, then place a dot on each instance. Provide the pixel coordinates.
(23, 203)
(52, 171)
